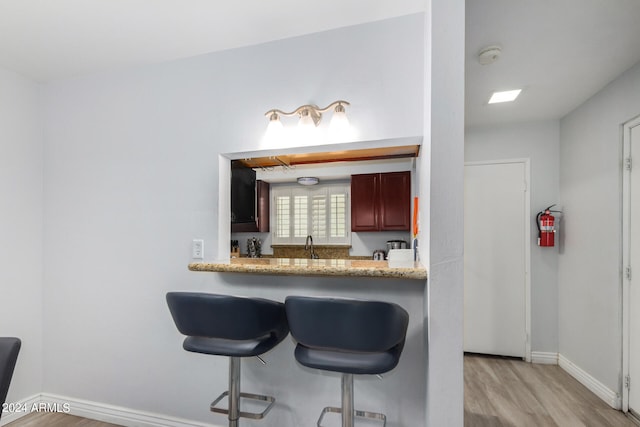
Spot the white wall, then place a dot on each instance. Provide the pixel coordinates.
(21, 228)
(441, 188)
(589, 269)
(539, 142)
(131, 172)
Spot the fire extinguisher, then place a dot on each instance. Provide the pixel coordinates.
(546, 227)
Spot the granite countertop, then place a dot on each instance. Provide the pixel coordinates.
(312, 267)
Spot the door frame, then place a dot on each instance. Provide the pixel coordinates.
(527, 242)
(626, 260)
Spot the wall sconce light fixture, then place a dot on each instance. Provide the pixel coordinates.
(310, 117)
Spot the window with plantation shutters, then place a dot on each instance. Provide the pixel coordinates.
(321, 211)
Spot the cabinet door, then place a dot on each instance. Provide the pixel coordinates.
(260, 221)
(262, 208)
(243, 195)
(395, 201)
(364, 202)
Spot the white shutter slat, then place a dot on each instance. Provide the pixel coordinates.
(319, 215)
(283, 223)
(300, 216)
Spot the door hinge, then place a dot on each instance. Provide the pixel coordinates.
(627, 382)
(627, 163)
(627, 272)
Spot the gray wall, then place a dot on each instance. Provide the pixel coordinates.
(589, 270)
(21, 169)
(539, 142)
(131, 171)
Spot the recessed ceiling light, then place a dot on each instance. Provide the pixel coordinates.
(505, 96)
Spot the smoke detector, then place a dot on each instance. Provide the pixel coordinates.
(489, 55)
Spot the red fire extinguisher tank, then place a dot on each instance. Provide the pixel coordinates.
(546, 227)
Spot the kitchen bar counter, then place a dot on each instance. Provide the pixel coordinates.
(312, 267)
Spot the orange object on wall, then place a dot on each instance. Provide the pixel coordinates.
(415, 217)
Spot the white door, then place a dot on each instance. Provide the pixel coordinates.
(632, 276)
(496, 239)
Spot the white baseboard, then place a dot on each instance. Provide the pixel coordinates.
(20, 409)
(98, 411)
(120, 415)
(544, 358)
(612, 398)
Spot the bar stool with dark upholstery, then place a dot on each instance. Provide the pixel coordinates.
(350, 337)
(230, 326)
(9, 349)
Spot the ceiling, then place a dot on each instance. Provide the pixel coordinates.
(53, 39)
(560, 51)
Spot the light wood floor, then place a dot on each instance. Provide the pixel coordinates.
(56, 419)
(503, 392)
(498, 393)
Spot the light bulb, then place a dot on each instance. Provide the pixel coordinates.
(307, 134)
(274, 134)
(306, 121)
(339, 128)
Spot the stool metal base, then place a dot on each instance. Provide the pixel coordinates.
(361, 414)
(242, 414)
(347, 410)
(234, 413)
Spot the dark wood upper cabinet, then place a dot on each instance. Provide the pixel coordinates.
(395, 201)
(364, 202)
(249, 201)
(381, 202)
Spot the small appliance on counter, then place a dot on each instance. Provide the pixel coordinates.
(379, 255)
(396, 244)
(400, 258)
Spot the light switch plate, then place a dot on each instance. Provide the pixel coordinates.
(197, 249)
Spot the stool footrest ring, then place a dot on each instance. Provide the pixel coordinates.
(361, 414)
(252, 415)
